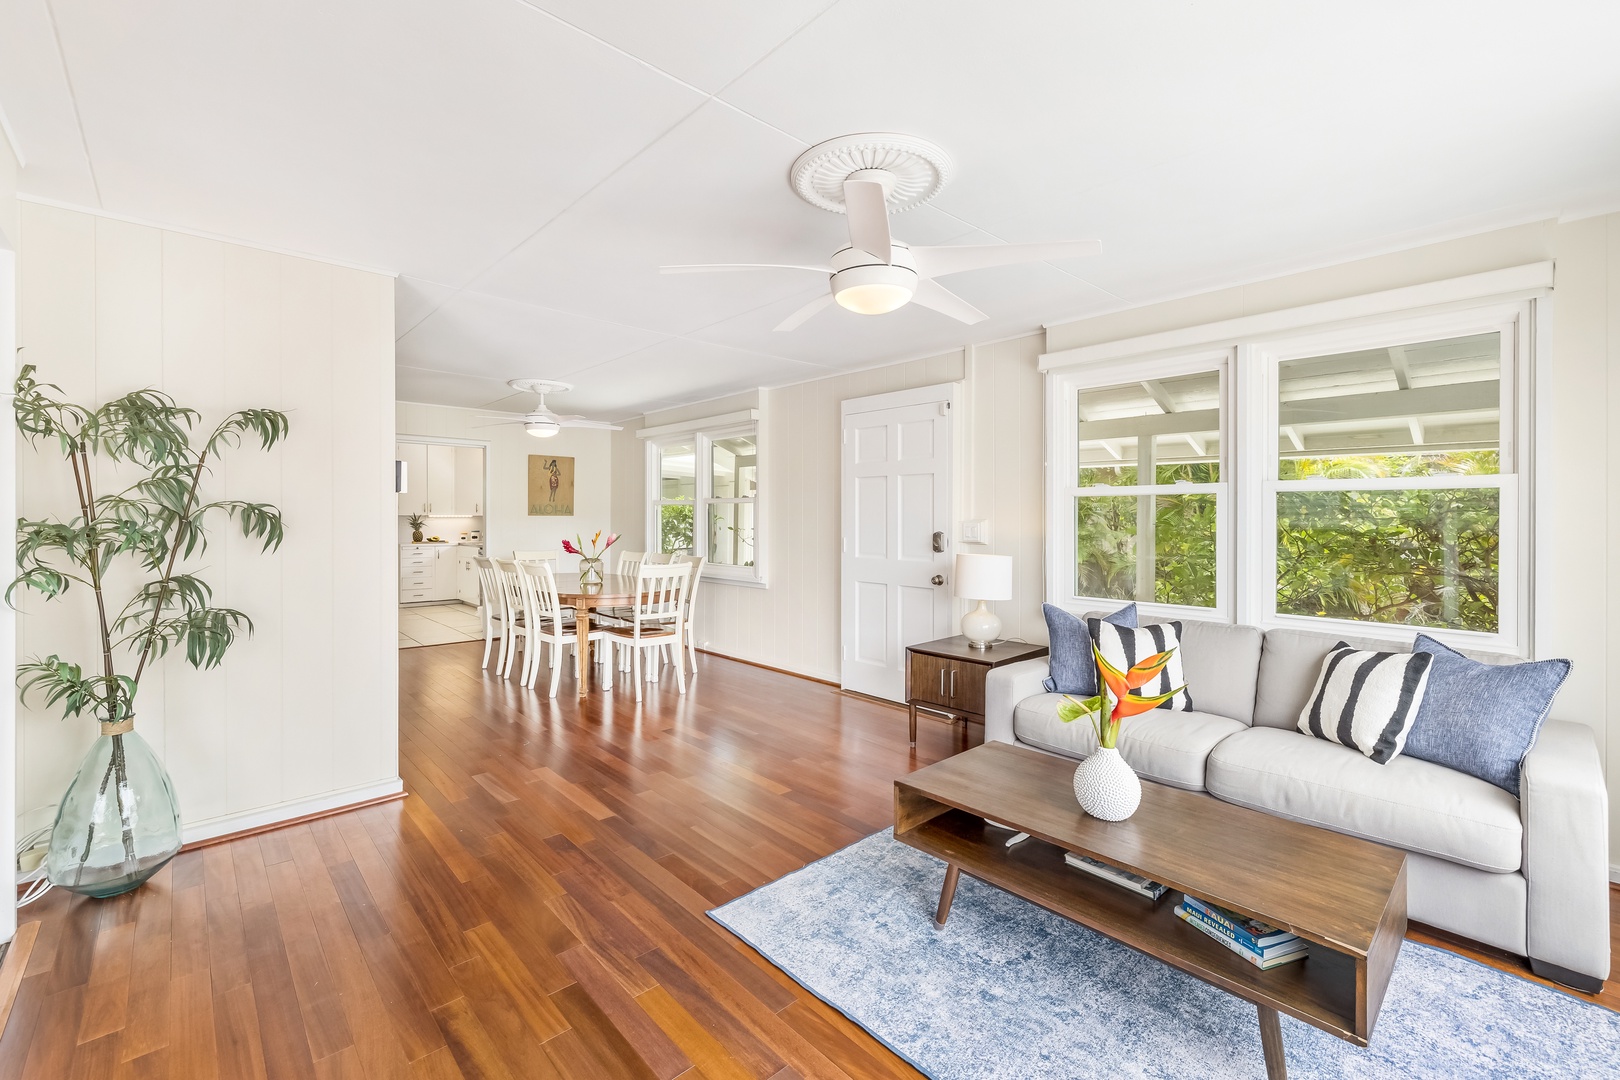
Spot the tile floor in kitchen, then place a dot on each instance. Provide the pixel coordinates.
(438, 624)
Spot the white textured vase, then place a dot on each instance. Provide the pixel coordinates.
(1106, 787)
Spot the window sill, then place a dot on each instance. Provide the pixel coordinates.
(712, 578)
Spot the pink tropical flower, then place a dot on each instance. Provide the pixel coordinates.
(568, 546)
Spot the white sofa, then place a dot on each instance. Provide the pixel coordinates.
(1529, 875)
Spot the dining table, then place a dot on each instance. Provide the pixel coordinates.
(616, 590)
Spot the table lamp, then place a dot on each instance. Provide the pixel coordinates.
(982, 578)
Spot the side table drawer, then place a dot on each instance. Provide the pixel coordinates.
(950, 684)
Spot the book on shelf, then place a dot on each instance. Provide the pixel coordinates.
(1136, 883)
(1292, 943)
(1253, 932)
(1247, 954)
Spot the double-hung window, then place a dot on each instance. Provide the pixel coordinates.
(1146, 491)
(1364, 476)
(704, 483)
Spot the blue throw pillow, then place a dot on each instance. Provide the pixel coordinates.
(1482, 719)
(1073, 669)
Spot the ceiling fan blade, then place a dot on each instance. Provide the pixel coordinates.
(867, 207)
(504, 419)
(939, 261)
(721, 268)
(931, 294)
(798, 318)
(581, 422)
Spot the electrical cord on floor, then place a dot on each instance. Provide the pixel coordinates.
(33, 882)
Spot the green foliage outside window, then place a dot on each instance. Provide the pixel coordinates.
(675, 527)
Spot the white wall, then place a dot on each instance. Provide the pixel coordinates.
(304, 714)
(793, 624)
(507, 525)
(1582, 572)
(9, 238)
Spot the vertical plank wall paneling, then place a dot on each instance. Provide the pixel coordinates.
(107, 307)
(794, 623)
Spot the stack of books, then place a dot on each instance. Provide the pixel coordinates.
(1260, 944)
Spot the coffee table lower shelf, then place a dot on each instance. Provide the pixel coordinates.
(1320, 990)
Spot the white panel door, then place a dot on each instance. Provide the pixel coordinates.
(896, 512)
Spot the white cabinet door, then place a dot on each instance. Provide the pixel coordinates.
(467, 578)
(469, 481)
(441, 479)
(445, 586)
(413, 500)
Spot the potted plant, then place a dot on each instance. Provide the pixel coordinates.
(119, 821)
(1104, 784)
(417, 522)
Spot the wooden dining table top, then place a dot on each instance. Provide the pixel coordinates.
(616, 590)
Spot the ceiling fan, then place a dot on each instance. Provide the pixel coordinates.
(867, 177)
(542, 423)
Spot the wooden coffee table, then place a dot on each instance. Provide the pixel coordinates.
(1346, 896)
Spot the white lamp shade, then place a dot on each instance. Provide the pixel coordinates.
(984, 577)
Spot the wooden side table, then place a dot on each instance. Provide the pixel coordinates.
(946, 677)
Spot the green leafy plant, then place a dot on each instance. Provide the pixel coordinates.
(155, 521)
(1121, 687)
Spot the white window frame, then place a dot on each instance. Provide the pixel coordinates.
(1515, 300)
(703, 434)
(1063, 390)
(1513, 323)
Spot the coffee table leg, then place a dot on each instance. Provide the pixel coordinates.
(946, 895)
(913, 710)
(1271, 1042)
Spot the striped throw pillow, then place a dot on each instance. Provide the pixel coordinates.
(1127, 646)
(1367, 700)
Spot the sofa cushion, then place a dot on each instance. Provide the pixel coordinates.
(1221, 662)
(1123, 647)
(1406, 803)
(1482, 719)
(1366, 700)
(1170, 747)
(1072, 667)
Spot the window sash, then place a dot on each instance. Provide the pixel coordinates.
(703, 440)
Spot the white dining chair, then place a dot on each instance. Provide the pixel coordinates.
(549, 623)
(551, 557)
(515, 614)
(656, 620)
(629, 565)
(494, 614)
(697, 563)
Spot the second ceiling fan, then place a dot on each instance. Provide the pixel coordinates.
(866, 177)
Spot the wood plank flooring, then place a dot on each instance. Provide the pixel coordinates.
(534, 909)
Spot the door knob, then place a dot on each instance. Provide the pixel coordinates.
(938, 579)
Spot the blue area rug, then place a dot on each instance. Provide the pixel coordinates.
(1011, 990)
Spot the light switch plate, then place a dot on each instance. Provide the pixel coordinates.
(976, 531)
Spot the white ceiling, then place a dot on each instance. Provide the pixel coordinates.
(525, 165)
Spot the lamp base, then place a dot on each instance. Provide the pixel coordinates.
(981, 626)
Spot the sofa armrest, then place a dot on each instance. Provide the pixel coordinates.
(1565, 808)
(1004, 688)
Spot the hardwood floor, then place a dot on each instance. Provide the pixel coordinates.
(534, 909)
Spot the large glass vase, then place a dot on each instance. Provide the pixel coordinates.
(119, 821)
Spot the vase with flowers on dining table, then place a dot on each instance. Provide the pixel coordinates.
(590, 565)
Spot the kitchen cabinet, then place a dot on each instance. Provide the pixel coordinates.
(428, 572)
(467, 576)
(441, 479)
(413, 500)
(469, 486)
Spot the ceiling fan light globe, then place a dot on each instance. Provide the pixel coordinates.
(874, 290)
(542, 429)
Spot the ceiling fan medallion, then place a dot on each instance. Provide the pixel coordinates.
(867, 178)
(919, 169)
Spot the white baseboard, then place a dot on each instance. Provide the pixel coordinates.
(261, 816)
(1614, 874)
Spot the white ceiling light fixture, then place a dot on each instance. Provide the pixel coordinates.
(542, 423)
(868, 177)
